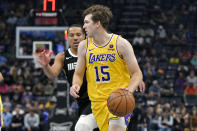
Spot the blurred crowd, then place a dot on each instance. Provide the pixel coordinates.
(166, 49)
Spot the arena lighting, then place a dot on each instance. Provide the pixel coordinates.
(45, 5)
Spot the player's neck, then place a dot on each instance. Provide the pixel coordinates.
(101, 38)
(74, 51)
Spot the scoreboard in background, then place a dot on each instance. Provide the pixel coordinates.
(45, 18)
(48, 15)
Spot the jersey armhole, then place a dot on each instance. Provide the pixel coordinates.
(117, 48)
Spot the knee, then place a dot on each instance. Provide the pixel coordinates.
(82, 127)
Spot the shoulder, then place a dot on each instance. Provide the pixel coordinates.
(82, 47)
(123, 44)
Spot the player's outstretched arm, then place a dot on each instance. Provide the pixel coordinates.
(79, 70)
(54, 70)
(127, 53)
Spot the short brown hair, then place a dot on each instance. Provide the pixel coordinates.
(99, 13)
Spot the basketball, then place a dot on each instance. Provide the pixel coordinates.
(121, 102)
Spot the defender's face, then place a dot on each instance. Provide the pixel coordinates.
(75, 36)
(89, 25)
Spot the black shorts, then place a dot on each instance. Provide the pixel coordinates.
(84, 108)
(87, 110)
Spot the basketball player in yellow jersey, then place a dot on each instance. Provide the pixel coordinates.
(110, 64)
(1, 105)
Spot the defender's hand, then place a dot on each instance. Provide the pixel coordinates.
(44, 58)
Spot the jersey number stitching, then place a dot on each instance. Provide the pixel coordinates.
(105, 75)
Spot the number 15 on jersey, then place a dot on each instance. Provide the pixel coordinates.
(103, 72)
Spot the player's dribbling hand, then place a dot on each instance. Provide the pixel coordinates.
(44, 58)
(124, 88)
(74, 90)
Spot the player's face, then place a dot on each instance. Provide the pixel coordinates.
(75, 36)
(89, 25)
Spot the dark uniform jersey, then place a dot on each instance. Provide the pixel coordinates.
(70, 62)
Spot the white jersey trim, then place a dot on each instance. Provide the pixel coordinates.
(70, 52)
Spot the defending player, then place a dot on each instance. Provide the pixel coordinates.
(67, 60)
(109, 62)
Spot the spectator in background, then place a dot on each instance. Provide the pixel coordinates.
(163, 58)
(184, 113)
(174, 59)
(155, 88)
(18, 85)
(190, 90)
(16, 92)
(149, 32)
(138, 40)
(193, 60)
(181, 34)
(149, 70)
(153, 93)
(158, 17)
(178, 124)
(2, 59)
(149, 117)
(192, 78)
(161, 32)
(44, 116)
(17, 120)
(15, 70)
(149, 35)
(3, 87)
(48, 89)
(7, 102)
(38, 89)
(165, 121)
(12, 19)
(180, 81)
(32, 121)
(191, 122)
(140, 31)
(166, 89)
(155, 119)
(184, 58)
(7, 117)
(50, 105)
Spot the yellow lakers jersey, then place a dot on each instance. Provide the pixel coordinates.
(106, 71)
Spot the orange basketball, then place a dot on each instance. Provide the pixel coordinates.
(121, 103)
